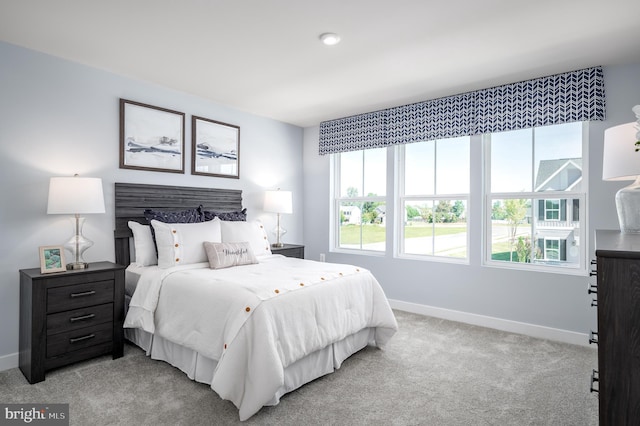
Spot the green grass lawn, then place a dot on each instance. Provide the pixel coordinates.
(350, 234)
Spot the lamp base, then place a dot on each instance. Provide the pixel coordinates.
(77, 265)
(628, 206)
(277, 245)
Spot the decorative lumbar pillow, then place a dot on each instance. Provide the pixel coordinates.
(144, 247)
(225, 255)
(240, 215)
(252, 232)
(182, 243)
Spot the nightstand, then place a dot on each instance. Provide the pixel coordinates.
(289, 250)
(71, 316)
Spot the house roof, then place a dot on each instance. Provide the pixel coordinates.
(265, 57)
(548, 169)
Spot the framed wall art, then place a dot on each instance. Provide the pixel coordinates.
(151, 138)
(52, 259)
(215, 148)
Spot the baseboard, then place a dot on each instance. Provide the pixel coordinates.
(7, 362)
(532, 330)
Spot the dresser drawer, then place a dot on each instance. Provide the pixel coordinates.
(79, 318)
(78, 296)
(62, 343)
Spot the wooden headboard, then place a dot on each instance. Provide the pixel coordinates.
(131, 199)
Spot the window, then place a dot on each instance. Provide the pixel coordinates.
(361, 178)
(534, 192)
(551, 248)
(434, 198)
(552, 209)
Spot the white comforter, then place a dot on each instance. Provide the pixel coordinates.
(256, 320)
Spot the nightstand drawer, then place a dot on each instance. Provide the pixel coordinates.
(73, 340)
(79, 318)
(78, 296)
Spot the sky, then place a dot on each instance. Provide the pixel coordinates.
(513, 162)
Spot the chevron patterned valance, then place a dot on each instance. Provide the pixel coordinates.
(560, 98)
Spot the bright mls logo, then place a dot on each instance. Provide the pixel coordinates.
(35, 414)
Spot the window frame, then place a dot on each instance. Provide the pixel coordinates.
(401, 201)
(337, 200)
(581, 196)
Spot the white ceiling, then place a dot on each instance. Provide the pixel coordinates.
(264, 56)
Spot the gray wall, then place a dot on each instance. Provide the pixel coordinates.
(544, 299)
(59, 118)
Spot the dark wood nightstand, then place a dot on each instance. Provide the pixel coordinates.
(289, 250)
(71, 316)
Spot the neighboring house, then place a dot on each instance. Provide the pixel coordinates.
(381, 215)
(557, 231)
(352, 215)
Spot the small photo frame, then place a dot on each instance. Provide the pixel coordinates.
(215, 148)
(151, 138)
(52, 259)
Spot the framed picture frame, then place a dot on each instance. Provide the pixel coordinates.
(52, 259)
(215, 148)
(151, 138)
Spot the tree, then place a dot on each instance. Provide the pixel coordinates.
(523, 249)
(498, 212)
(412, 212)
(444, 212)
(369, 212)
(515, 212)
(458, 210)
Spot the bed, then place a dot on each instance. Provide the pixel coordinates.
(251, 324)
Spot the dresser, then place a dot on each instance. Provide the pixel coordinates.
(71, 316)
(618, 335)
(289, 250)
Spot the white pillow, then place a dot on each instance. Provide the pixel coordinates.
(145, 249)
(224, 255)
(183, 243)
(251, 231)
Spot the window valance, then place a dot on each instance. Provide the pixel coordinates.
(561, 98)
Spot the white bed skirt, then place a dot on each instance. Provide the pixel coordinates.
(201, 369)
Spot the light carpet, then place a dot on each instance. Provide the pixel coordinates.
(433, 372)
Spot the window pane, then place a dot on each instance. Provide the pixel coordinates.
(362, 225)
(545, 232)
(418, 228)
(419, 163)
(558, 155)
(436, 228)
(351, 174)
(375, 172)
(450, 228)
(511, 230)
(452, 166)
(511, 161)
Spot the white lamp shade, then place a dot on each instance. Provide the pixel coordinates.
(75, 195)
(619, 159)
(278, 202)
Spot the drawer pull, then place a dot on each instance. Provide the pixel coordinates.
(594, 379)
(592, 289)
(82, 317)
(594, 337)
(594, 302)
(80, 339)
(84, 293)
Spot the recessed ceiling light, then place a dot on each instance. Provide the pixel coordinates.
(330, 38)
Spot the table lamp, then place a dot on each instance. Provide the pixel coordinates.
(278, 202)
(76, 195)
(621, 162)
